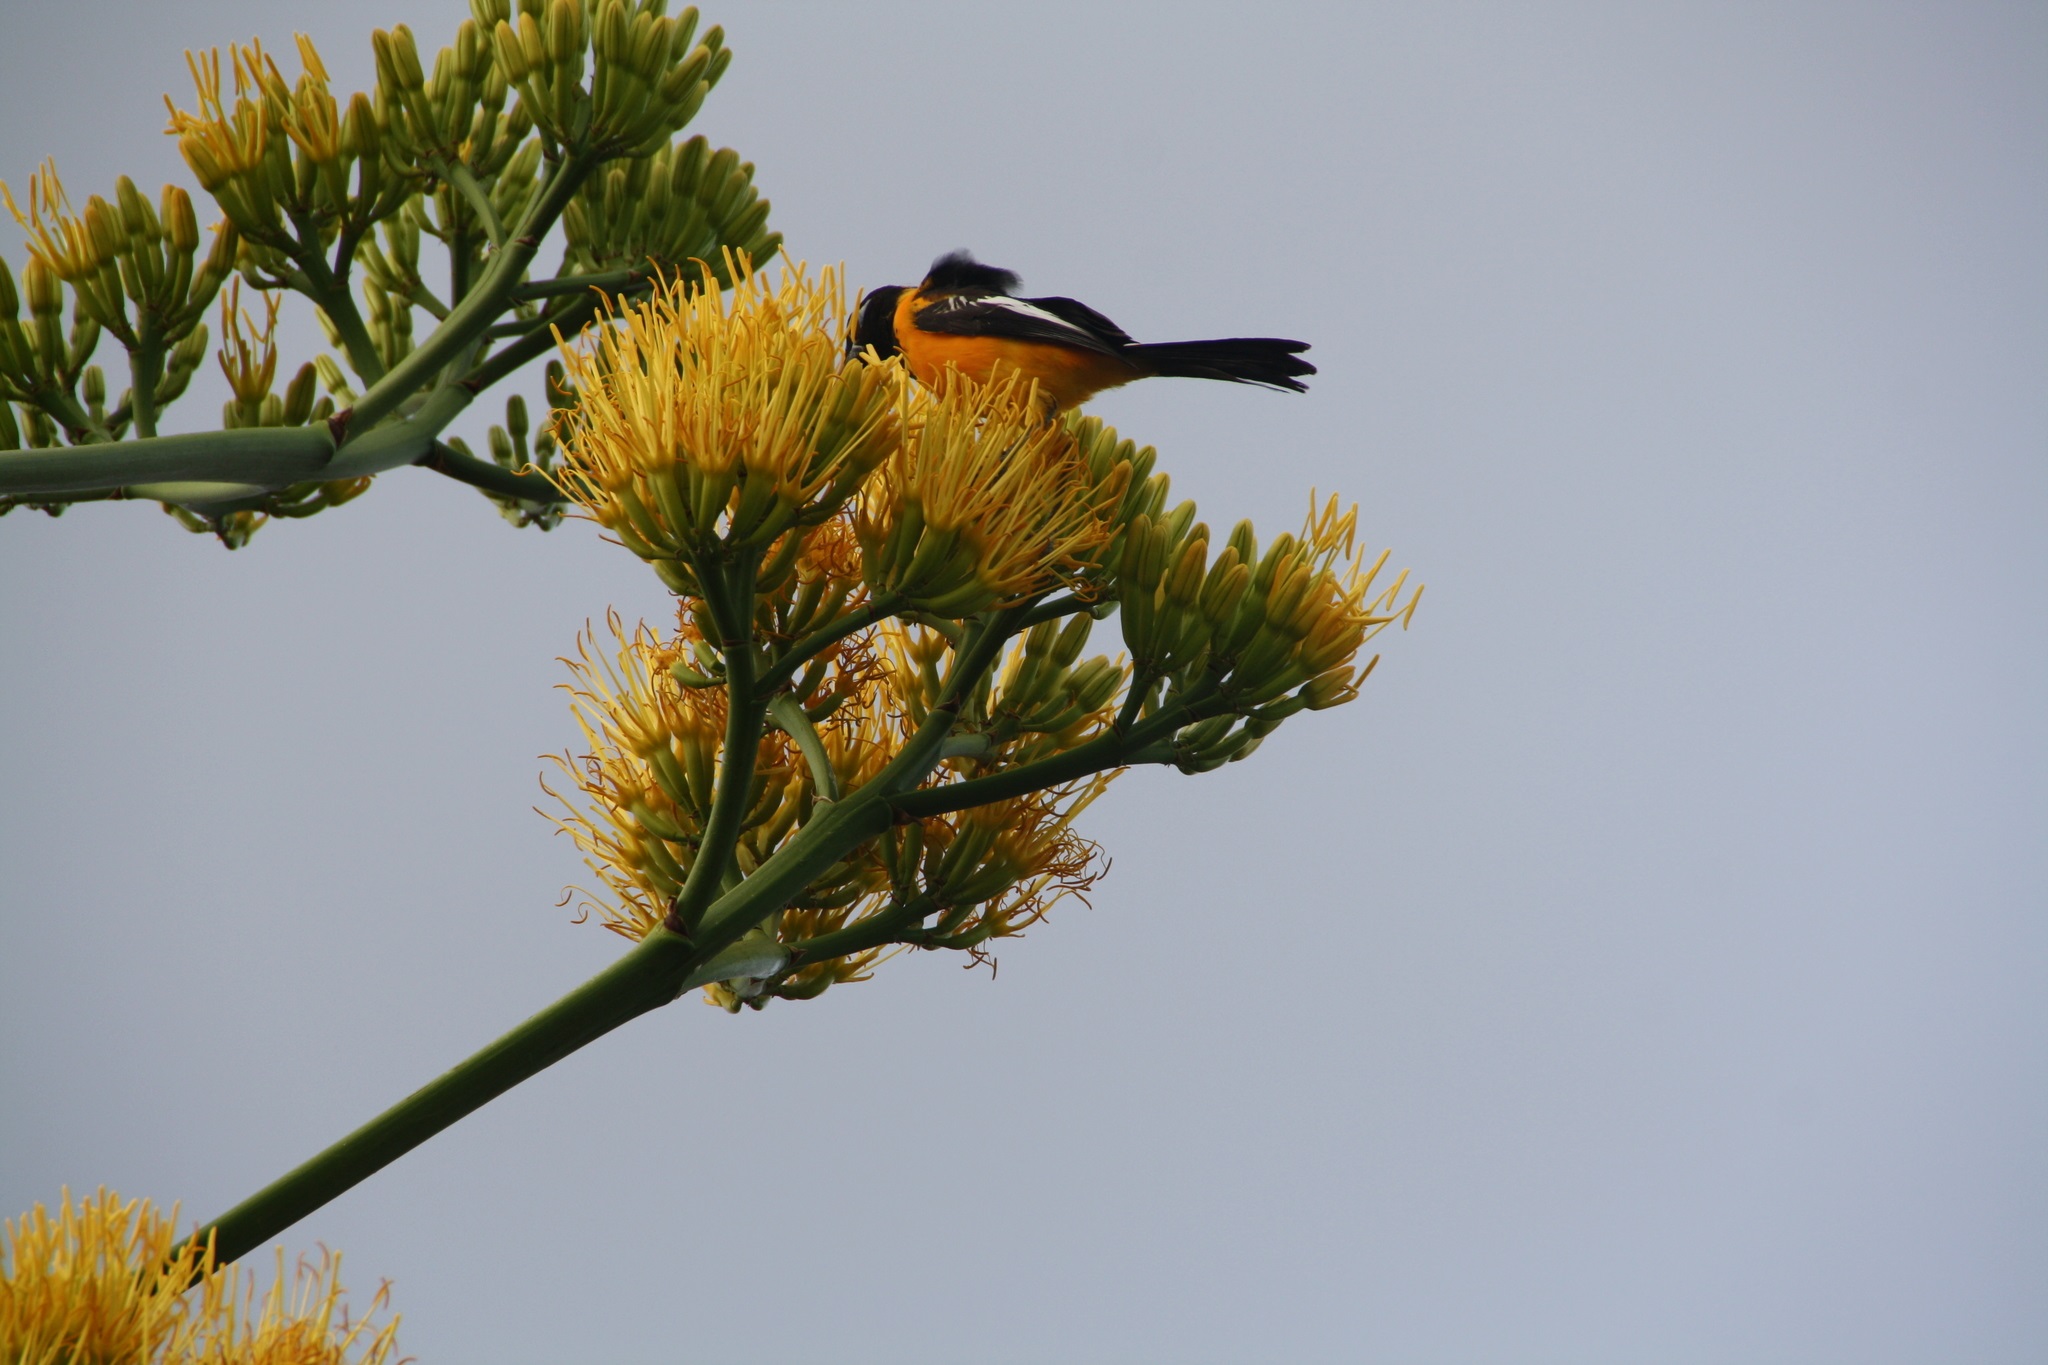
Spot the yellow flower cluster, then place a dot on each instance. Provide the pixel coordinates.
(97, 1282)
(701, 418)
(644, 791)
(842, 541)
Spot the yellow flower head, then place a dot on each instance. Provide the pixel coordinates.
(1311, 607)
(69, 245)
(97, 1282)
(218, 143)
(303, 1320)
(701, 418)
(983, 502)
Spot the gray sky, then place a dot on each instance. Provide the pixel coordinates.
(1648, 967)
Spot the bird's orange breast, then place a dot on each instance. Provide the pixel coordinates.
(1066, 375)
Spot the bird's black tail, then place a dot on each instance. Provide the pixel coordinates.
(1270, 361)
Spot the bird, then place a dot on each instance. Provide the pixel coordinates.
(965, 316)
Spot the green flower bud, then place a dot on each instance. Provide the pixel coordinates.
(45, 293)
(181, 224)
(298, 397)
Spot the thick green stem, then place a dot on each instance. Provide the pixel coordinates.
(654, 973)
(884, 927)
(818, 641)
(536, 342)
(646, 978)
(145, 372)
(465, 184)
(481, 306)
(729, 593)
(609, 281)
(400, 443)
(329, 289)
(271, 457)
(1151, 742)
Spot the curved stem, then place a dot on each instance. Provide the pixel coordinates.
(788, 712)
(492, 478)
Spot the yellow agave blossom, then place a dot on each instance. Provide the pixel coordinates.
(217, 142)
(68, 244)
(97, 1282)
(701, 418)
(654, 747)
(1321, 595)
(643, 789)
(983, 502)
(248, 353)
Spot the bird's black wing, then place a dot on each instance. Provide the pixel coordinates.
(998, 315)
(1086, 318)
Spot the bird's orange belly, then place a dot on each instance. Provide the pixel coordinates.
(1066, 375)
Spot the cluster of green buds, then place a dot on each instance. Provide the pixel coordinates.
(1249, 638)
(684, 203)
(135, 273)
(456, 128)
(647, 76)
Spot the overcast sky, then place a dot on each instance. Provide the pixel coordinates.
(1649, 967)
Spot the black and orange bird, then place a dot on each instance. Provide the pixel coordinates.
(965, 316)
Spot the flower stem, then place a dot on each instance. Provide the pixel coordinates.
(651, 975)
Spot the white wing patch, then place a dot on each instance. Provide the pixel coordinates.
(1023, 309)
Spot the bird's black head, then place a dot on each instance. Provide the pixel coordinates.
(876, 325)
(957, 272)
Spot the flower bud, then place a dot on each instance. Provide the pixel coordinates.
(298, 397)
(182, 226)
(45, 293)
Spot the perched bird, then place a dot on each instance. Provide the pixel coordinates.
(964, 316)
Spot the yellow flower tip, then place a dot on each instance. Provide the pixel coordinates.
(1343, 596)
(983, 501)
(97, 1281)
(309, 58)
(701, 417)
(218, 143)
(249, 362)
(61, 240)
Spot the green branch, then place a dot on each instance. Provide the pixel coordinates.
(268, 456)
(609, 281)
(481, 306)
(729, 593)
(652, 974)
(489, 476)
